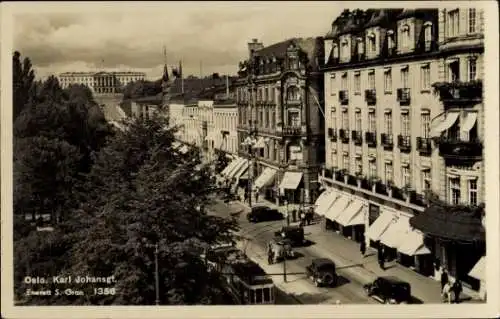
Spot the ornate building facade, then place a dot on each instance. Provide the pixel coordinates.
(101, 82)
(389, 91)
(280, 121)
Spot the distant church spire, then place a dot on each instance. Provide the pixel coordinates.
(165, 68)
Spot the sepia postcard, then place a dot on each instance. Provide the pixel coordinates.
(256, 159)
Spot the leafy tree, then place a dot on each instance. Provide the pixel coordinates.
(22, 81)
(141, 191)
(221, 161)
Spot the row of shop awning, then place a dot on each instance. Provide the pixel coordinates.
(340, 208)
(239, 167)
(479, 270)
(392, 231)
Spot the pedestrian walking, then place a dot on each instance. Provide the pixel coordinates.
(302, 217)
(457, 290)
(446, 293)
(245, 197)
(362, 247)
(380, 256)
(256, 196)
(444, 278)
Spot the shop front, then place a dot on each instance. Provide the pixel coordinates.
(455, 237)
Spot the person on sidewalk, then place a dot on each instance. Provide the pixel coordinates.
(256, 195)
(444, 278)
(446, 293)
(302, 218)
(245, 197)
(457, 290)
(380, 256)
(362, 248)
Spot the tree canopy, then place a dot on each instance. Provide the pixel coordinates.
(142, 88)
(113, 195)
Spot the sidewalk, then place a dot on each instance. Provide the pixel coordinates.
(345, 253)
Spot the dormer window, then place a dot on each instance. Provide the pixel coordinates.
(293, 62)
(361, 48)
(371, 42)
(293, 94)
(427, 35)
(335, 51)
(390, 39)
(345, 48)
(405, 36)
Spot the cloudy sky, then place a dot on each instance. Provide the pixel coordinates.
(130, 36)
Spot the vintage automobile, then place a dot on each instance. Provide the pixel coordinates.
(294, 233)
(263, 213)
(322, 271)
(389, 290)
(279, 249)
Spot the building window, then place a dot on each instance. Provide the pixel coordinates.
(405, 124)
(472, 69)
(405, 36)
(293, 118)
(273, 95)
(359, 166)
(428, 34)
(425, 77)
(266, 94)
(267, 118)
(453, 23)
(335, 51)
(372, 168)
(372, 122)
(473, 192)
(273, 119)
(372, 43)
(390, 40)
(343, 83)
(371, 79)
(426, 124)
(454, 190)
(405, 176)
(357, 83)
(404, 77)
(261, 117)
(345, 164)
(334, 120)
(293, 93)
(345, 120)
(358, 120)
(388, 122)
(426, 181)
(472, 20)
(388, 173)
(332, 84)
(345, 50)
(453, 70)
(387, 80)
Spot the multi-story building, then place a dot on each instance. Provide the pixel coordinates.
(225, 137)
(280, 121)
(101, 82)
(381, 115)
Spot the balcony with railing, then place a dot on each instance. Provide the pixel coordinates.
(343, 97)
(404, 96)
(387, 141)
(344, 136)
(357, 137)
(371, 139)
(424, 145)
(291, 130)
(332, 134)
(404, 143)
(457, 149)
(459, 93)
(370, 97)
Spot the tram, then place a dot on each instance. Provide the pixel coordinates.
(243, 279)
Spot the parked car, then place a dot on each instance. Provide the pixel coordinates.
(263, 213)
(294, 233)
(389, 290)
(322, 271)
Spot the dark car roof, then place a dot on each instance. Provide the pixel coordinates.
(259, 207)
(291, 227)
(393, 280)
(318, 262)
